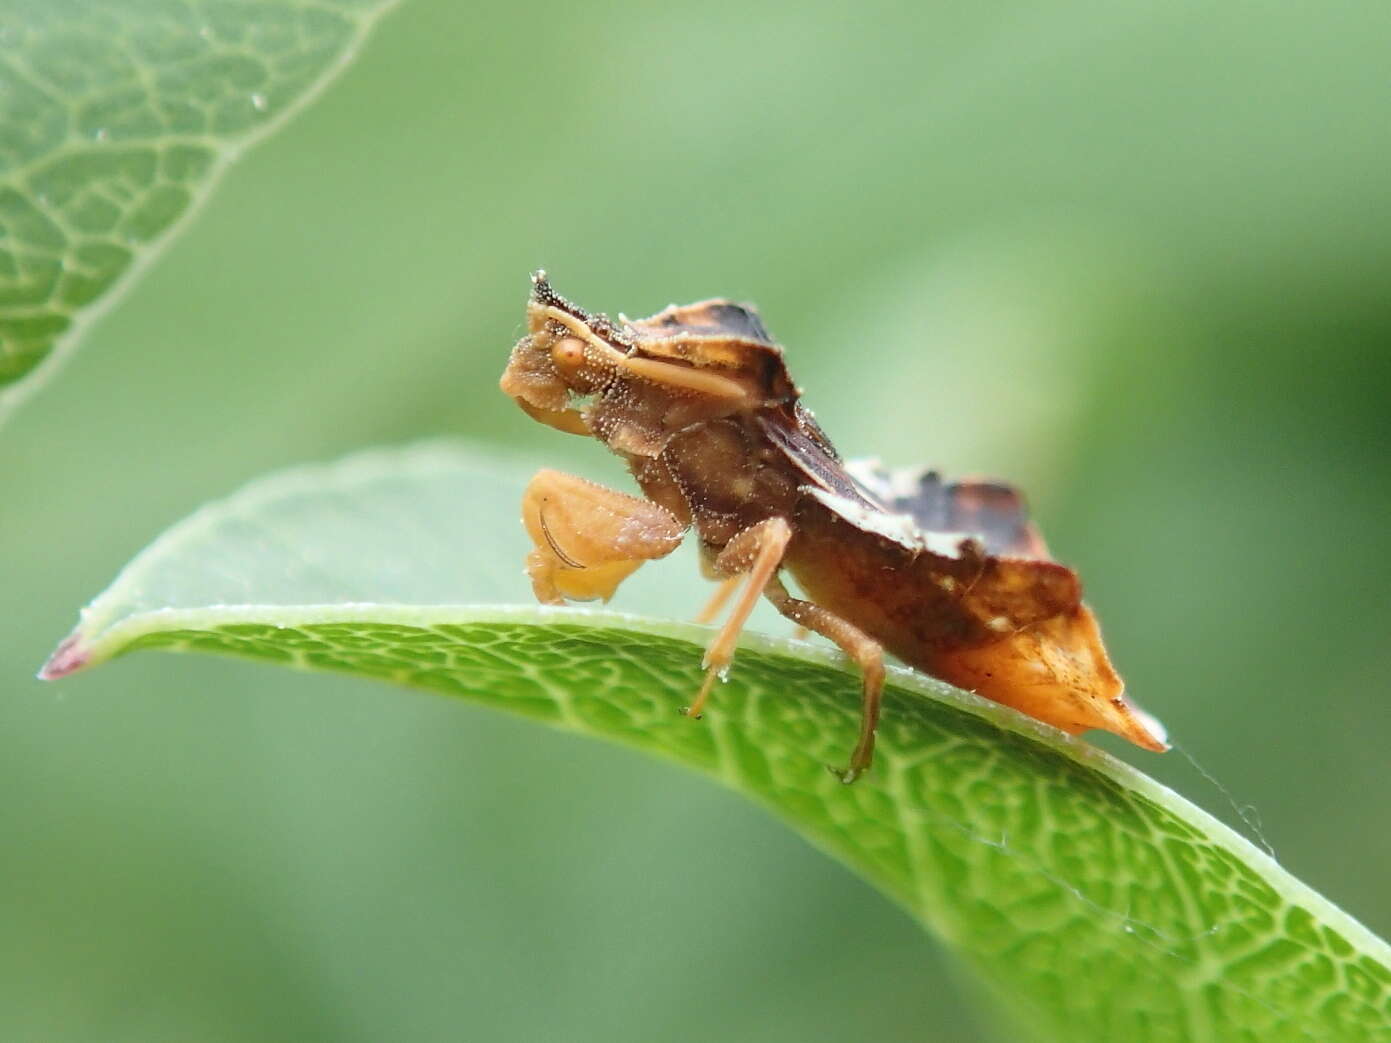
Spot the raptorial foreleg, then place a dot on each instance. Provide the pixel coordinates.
(589, 539)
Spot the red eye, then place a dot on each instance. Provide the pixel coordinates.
(568, 354)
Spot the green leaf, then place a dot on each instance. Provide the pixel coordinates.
(1100, 904)
(116, 119)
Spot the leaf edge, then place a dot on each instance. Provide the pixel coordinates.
(76, 654)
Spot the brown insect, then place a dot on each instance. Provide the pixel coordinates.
(949, 577)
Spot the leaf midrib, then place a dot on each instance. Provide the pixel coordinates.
(119, 637)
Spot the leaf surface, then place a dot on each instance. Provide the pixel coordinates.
(116, 119)
(1100, 904)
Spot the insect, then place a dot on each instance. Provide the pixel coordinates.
(951, 578)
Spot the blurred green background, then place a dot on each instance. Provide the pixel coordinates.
(1134, 257)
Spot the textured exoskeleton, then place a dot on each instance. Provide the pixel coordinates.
(949, 577)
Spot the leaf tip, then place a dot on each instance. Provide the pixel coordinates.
(67, 658)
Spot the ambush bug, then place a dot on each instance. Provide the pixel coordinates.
(950, 577)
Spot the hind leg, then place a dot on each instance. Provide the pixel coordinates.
(859, 646)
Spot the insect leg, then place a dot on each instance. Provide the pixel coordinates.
(859, 646)
(717, 600)
(589, 539)
(757, 551)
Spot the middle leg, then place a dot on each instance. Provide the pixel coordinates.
(717, 600)
(756, 551)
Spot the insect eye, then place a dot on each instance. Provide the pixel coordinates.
(568, 354)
